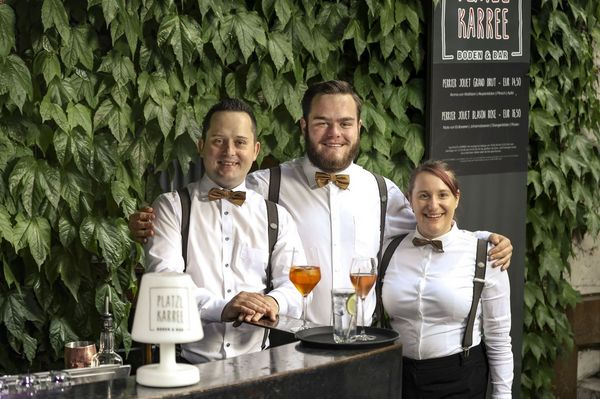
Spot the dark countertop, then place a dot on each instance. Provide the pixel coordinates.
(287, 371)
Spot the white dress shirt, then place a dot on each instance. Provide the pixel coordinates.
(339, 223)
(227, 253)
(428, 296)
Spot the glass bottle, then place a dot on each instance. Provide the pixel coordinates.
(106, 353)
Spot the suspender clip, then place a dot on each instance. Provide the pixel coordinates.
(479, 280)
(465, 352)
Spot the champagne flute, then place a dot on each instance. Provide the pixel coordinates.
(305, 278)
(363, 274)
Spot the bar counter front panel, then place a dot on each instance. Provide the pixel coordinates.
(288, 371)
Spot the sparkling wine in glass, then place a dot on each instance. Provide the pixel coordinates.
(363, 274)
(305, 278)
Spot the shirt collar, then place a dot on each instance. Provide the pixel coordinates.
(309, 172)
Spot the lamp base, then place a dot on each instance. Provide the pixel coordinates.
(179, 375)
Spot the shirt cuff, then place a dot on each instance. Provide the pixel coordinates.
(211, 310)
(280, 298)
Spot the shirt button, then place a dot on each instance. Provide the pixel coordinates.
(226, 238)
(228, 344)
(226, 264)
(227, 212)
(229, 291)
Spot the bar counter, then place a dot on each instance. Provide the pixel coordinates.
(288, 371)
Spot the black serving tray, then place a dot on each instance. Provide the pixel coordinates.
(322, 337)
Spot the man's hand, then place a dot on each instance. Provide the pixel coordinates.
(501, 252)
(250, 306)
(140, 224)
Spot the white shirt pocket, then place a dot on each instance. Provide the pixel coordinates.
(251, 267)
(366, 236)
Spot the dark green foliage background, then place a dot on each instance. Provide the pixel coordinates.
(99, 96)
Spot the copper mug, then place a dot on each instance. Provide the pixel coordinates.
(79, 354)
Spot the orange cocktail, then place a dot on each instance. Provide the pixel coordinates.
(362, 282)
(305, 278)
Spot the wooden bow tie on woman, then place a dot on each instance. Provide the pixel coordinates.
(235, 197)
(436, 244)
(322, 178)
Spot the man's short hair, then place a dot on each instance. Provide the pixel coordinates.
(328, 87)
(229, 105)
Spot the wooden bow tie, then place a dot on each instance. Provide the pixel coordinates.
(436, 244)
(235, 197)
(342, 181)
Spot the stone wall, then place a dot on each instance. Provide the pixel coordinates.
(585, 277)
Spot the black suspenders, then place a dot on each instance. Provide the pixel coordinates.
(272, 225)
(478, 284)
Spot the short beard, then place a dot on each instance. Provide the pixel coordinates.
(326, 164)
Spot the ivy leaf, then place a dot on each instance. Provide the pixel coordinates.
(67, 231)
(121, 68)
(9, 277)
(192, 37)
(65, 265)
(73, 184)
(7, 29)
(7, 150)
(104, 157)
(291, 98)
(15, 79)
(283, 10)
(109, 9)
(406, 12)
(571, 161)
(50, 67)
(414, 145)
(21, 182)
(248, 28)
(535, 179)
(372, 114)
(267, 84)
(131, 25)
(140, 154)
(162, 113)
(60, 332)
(543, 318)
(54, 14)
(529, 294)
(155, 86)
(79, 115)
(534, 344)
(120, 193)
(542, 123)
(355, 31)
(112, 235)
(79, 48)
(387, 17)
(185, 120)
(34, 234)
(302, 33)
(280, 48)
(569, 296)
(51, 111)
(415, 92)
(169, 32)
(5, 225)
(552, 176)
(551, 263)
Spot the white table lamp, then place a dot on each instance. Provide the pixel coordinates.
(166, 314)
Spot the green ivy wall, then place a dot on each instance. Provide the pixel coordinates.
(98, 96)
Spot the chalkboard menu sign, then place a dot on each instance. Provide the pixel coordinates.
(478, 85)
